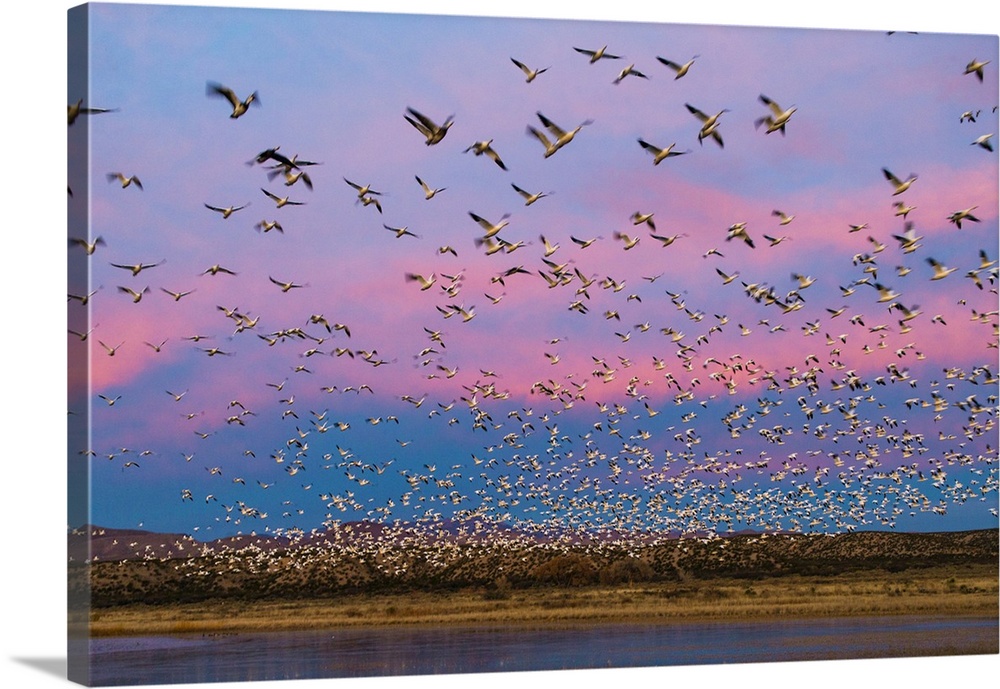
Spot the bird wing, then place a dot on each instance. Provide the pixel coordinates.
(696, 112)
(775, 108)
(541, 136)
(227, 93)
(551, 126)
(650, 147)
(421, 128)
(524, 68)
(891, 177)
(424, 120)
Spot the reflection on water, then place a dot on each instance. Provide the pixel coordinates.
(440, 650)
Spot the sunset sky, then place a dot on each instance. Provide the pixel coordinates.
(334, 88)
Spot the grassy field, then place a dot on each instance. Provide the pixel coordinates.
(968, 590)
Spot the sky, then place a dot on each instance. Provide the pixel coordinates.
(615, 385)
(36, 371)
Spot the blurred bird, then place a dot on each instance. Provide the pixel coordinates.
(239, 107)
(976, 67)
(661, 154)
(681, 70)
(426, 126)
(598, 54)
(485, 148)
(529, 73)
(561, 136)
(899, 186)
(777, 119)
(125, 181)
(76, 109)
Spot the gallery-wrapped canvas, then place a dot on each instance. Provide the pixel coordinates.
(412, 344)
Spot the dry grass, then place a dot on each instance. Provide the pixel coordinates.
(945, 591)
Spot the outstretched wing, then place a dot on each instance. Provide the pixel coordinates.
(211, 88)
(551, 126)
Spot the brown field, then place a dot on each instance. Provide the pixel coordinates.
(966, 590)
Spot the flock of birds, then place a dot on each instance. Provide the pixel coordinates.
(568, 454)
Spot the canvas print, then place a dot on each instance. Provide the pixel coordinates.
(409, 344)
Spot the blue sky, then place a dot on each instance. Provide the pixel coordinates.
(342, 102)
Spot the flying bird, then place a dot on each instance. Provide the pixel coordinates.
(286, 286)
(363, 191)
(529, 73)
(976, 67)
(485, 148)
(125, 181)
(528, 197)
(777, 119)
(629, 71)
(76, 109)
(89, 247)
(661, 154)
(239, 107)
(429, 192)
(681, 70)
(984, 142)
(739, 231)
(899, 185)
(958, 216)
(598, 54)
(138, 267)
(709, 124)
(281, 200)
(226, 212)
(136, 296)
(561, 136)
(491, 228)
(426, 126)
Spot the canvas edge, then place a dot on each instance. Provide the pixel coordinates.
(78, 319)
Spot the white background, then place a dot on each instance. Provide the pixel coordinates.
(32, 508)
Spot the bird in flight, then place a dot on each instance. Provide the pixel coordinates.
(125, 181)
(529, 73)
(136, 296)
(958, 216)
(709, 125)
(529, 198)
(363, 191)
(680, 69)
(429, 192)
(216, 269)
(984, 142)
(976, 67)
(661, 154)
(900, 186)
(76, 109)
(89, 247)
(138, 267)
(285, 286)
(598, 54)
(239, 107)
(432, 132)
(226, 212)
(629, 71)
(777, 119)
(561, 136)
(485, 148)
(281, 200)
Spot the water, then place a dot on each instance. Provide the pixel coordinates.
(444, 650)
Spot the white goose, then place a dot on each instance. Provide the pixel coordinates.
(239, 107)
(561, 136)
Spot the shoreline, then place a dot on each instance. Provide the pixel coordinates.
(936, 592)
